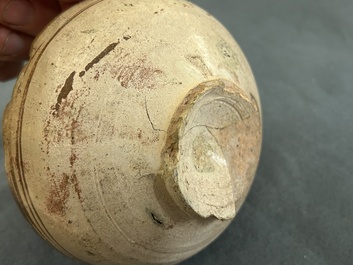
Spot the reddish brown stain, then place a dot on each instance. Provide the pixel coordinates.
(77, 187)
(46, 132)
(66, 126)
(139, 74)
(96, 77)
(73, 159)
(58, 196)
(139, 133)
(73, 131)
(60, 193)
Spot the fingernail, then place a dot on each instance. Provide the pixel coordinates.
(13, 45)
(18, 13)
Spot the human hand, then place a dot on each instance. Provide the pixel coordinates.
(20, 23)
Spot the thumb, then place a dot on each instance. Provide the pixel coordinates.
(66, 4)
(27, 16)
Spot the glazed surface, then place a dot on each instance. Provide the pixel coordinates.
(88, 123)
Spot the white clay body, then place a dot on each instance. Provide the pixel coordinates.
(134, 132)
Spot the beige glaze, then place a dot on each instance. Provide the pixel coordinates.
(134, 132)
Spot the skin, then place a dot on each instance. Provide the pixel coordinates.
(20, 22)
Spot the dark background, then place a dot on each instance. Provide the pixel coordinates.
(300, 208)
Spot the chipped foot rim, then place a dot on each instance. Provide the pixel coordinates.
(212, 147)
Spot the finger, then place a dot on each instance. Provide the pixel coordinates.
(9, 70)
(14, 46)
(65, 4)
(28, 16)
